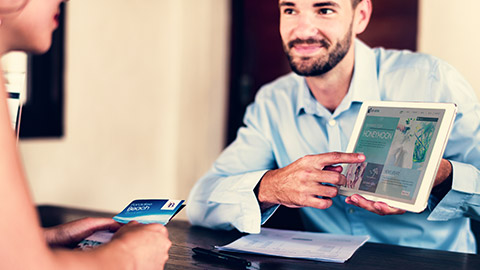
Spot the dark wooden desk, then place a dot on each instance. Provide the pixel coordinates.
(370, 256)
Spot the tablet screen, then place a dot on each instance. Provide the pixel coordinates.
(396, 143)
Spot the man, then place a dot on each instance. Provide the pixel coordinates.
(299, 125)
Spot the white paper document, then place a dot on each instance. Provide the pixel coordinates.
(295, 244)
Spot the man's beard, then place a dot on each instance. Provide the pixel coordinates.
(308, 66)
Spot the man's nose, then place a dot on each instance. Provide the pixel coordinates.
(305, 27)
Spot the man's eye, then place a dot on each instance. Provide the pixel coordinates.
(325, 11)
(289, 11)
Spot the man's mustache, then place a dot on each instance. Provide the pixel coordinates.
(309, 41)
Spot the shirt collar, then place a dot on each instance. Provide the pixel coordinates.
(363, 86)
(306, 102)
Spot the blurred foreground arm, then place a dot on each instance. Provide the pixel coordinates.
(134, 246)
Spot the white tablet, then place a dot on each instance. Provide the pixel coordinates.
(403, 143)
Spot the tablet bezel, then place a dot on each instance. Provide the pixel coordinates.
(444, 128)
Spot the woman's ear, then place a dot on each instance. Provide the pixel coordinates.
(363, 11)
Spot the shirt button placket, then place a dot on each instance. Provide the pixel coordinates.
(334, 139)
(356, 223)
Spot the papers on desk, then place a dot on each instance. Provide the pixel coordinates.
(295, 244)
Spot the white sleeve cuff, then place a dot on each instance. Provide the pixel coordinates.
(458, 201)
(239, 190)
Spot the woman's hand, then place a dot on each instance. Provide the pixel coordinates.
(148, 244)
(69, 234)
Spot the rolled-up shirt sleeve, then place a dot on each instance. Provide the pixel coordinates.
(463, 150)
(230, 204)
(224, 198)
(464, 198)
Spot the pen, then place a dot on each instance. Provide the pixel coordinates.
(221, 257)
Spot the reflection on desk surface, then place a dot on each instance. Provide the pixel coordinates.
(184, 237)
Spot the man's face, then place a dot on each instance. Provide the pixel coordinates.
(316, 34)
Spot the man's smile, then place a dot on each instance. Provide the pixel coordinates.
(306, 50)
(307, 47)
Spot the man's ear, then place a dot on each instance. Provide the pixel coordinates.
(363, 11)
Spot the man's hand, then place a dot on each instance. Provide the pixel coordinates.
(69, 234)
(304, 183)
(379, 208)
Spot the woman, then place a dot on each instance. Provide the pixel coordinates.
(27, 25)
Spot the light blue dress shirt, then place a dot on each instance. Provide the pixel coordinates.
(286, 123)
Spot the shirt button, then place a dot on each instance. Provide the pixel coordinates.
(351, 211)
(332, 123)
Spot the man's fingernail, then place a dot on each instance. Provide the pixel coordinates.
(361, 156)
(354, 199)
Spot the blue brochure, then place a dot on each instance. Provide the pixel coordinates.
(142, 211)
(150, 211)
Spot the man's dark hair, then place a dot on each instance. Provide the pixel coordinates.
(355, 3)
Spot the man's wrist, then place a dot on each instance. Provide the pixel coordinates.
(264, 205)
(441, 190)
